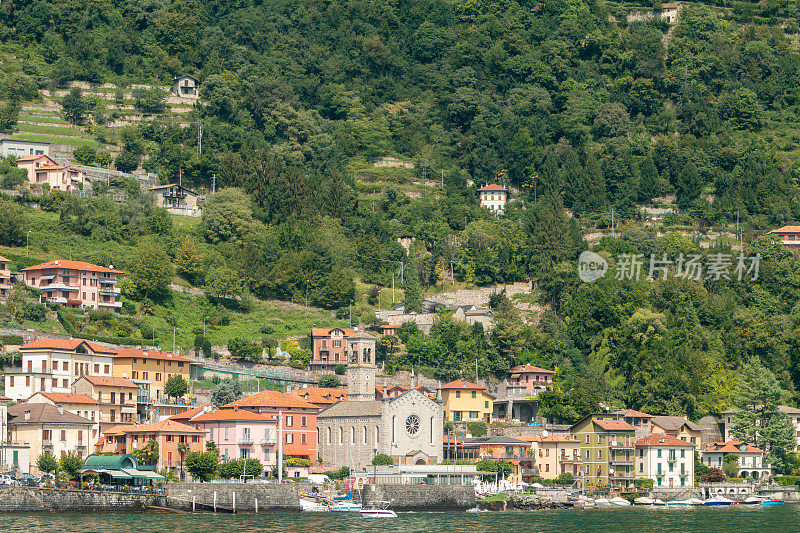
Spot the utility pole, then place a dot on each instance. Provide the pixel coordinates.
(393, 287)
(27, 242)
(199, 138)
(213, 183)
(306, 293)
(180, 176)
(424, 176)
(350, 312)
(476, 370)
(174, 329)
(613, 232)
(280, 446)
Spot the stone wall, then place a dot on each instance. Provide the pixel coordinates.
(270, 496)
(26, 499)
(422, 497)
(499, 430)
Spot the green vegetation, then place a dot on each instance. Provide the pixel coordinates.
(382, 459)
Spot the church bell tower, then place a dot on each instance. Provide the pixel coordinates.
(361, 369)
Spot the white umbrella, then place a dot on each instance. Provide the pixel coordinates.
(537, 486)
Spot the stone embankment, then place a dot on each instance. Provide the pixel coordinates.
(236, 497)
(27, 499)
(422, 497)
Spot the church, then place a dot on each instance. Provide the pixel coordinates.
(408, 428)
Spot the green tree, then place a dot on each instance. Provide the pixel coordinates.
(176, 386)
(127, 161)
(689, 185)
(12, 224)
(730, 465)
(329, 382)
(85, 155)
(757, 417)
(202, 465)
(74, 106)
(9, 116)
(502, 467)
(477, 429)
(183, 449)
(244, 350)
(147, 454)
(47, 462)
(70, 463)
(227, 216)
(188, 261)
(382, 459)
(226, 392)
(413, 297)
(150, 270)
(340, 369)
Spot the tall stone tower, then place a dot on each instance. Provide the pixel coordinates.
(361, 369)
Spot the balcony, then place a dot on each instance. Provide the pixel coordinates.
(672, 459)
(530, 471)
(266, 441)
(47, 443)
(621, 475)
(570, 459)
(621, 445)
(110, 291)
(144, 399)
(245, 441)
(621, 460)
(110, 304)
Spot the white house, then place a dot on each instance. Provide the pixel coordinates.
(51, 365)
(667, 460)
(493, 197)
(186, 87)
(21, 148)
(751, 458)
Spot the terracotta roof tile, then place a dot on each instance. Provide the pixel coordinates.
(33, 157)
(732, 446)
(461, 384)
(110, 381)
(326, 332)
(163, 426)
(321, 395)
(662, 439)
(66, 345)
(187, 415)
(73, 265)
(786, 229)
(274, 399)
(67, 397)
(632, 413)
(44, 413)
(232, 414)
(549, 438)
(614, 425)
(529, 368)
(152, 354)
(493, 187)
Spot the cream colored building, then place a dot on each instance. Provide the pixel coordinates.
(493, 197)
(77, 404)
(45, 427)
(555, 455)
(117, 398)
(679, 427)
(668, 461)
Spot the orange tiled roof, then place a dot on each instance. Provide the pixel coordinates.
(493, 187)
(232, 414)
(632, 413)
(163, 426)
(67, 345)
(530, 368)
(732, 446)
(321, 395)
(326, 332)
(614, 425)
(786, 229)
(549, 438)
(4, 260)
(187, 415)
(662, 439)
(33, 157)
(67, 397)
(152, 354)
(462, 384)
(73, 265)
(271, 398)
(110, 381)
(118, 430)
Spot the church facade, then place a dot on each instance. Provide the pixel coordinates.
(408, 428)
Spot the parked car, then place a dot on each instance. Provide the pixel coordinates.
(7, 480)
(30, 480)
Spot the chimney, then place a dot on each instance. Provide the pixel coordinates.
(27, 415)
(56, 262)
(60, 410)
(235, 407)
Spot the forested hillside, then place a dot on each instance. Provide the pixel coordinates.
(576, 109)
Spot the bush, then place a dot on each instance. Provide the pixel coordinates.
(643, 483)
(329, 382)
(568, 479)
(340, 474)
(477, 429)
(382, 459)
(714, 475)
(244, 350)
(35, 312)
(340, 369)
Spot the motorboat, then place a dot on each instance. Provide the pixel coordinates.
(345, 507)
(717, 501)
(378, 509)
(690, 501)
(659, 501)
(602, 502)
(619, 501)
(752, 500)
(312, 506)
(644, 500)
(773, 501)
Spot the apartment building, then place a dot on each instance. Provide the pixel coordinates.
(77, 404)
(607, 450)
(466, 402)
(117, 398)
(299, 420)
(76, 284)
(53, 365)
(329, 347)
(728, 419)
(493, 197)
(150, 370)
(5, 277)
(751, 458)
(30, 163)
(531, 379)
(240, 434)
(168, 434)
(45, 427)
(555, 455)
(679, 427)
(667, 460)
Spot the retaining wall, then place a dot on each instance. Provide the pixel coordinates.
(422, 497)
(270, 496)
(27, 499)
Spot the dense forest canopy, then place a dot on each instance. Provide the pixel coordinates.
(574, 107)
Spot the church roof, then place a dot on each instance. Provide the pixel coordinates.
(353, 408)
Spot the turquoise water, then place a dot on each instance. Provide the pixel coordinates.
(662, 520)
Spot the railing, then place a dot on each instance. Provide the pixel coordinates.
(621, 460)
(621, 475)
(530, 471)
(620, 445)
(144, 399)
(47, 442)
(245, 440)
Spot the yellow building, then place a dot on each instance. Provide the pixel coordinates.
(466, 402)
(555, 455)
(150, 370)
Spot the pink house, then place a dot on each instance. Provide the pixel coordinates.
(5, 277)
(76, 284)
(531, 378)
(240, 434)
(42, 169)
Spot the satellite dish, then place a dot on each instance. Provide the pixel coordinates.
(610, 470)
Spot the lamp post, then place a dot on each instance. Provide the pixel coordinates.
(306, 293)
(374, 466)
(27, 241)
(350, 311)
(204, 328)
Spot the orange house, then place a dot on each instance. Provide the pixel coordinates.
(167, 433)
(299, 420)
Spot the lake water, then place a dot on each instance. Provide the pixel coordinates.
(662, 520)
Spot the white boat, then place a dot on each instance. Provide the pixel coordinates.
(378, 510)
(345, 507)
(659, 501)
(752, 500)
(602, 502)
(717, 501)
(312, 507)
(619, 501)
(644, 500)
